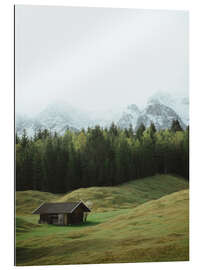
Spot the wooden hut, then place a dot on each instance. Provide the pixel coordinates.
(62, 213)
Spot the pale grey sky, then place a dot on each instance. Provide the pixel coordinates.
(98, 58)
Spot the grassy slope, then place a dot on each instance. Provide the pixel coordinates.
(28, 201)
(128, 194)
(23, 225)
(103, 199)
(154, 231)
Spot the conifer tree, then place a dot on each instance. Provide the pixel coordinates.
(176, 126)
(17, 139)
(98, 157)
(140, 131)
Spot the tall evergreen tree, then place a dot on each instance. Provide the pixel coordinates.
(140, 131)
(99, 157)
(176, 126)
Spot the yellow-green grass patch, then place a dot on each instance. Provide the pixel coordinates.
(154, 231)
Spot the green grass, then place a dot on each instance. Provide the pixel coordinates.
(93, 220)
(102, 199)
(130, 194)
(23, 225)
(139, 227)
(28, 201)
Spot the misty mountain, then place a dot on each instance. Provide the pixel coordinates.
(180, 104)
(161, 109)
(162, 116)
(55, 117)
(130, 117)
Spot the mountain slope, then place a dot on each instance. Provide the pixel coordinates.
(161, 108)
(129, 117)
(161, 115)
(55, 117)
(180, 104)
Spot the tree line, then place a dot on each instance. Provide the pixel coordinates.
(99, 157)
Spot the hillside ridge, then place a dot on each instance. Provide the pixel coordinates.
(101, 199)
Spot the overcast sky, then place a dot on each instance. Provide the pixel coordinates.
(98, 58)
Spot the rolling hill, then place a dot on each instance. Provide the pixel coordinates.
(140, 221)
(102, 199)
(27, 201)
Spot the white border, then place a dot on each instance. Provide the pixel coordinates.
(147, 4)
(196, 126)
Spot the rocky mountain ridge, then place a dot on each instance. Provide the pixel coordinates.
(161, 109)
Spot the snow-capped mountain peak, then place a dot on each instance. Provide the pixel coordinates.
(161, 109)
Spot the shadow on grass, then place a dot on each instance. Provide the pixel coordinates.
(24, 254)
(82, 225)
(87, 224)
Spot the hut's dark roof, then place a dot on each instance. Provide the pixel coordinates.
(59, 208)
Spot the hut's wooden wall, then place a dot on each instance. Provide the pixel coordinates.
(64, 219)
(48, 218)
(77, 215)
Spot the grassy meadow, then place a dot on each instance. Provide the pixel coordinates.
(139, 221)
